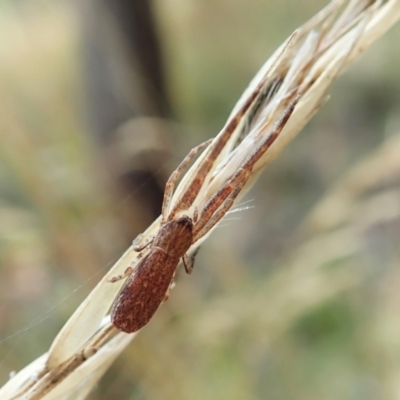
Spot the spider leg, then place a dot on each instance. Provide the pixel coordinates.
(139, 244)
(117, 278)
(188, 262)
(170, 185)
(210, 221)
(195, 214)
(200, 175)
(225, 196)
(168, 292)
(170, 287)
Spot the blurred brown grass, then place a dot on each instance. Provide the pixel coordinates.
(297, 299)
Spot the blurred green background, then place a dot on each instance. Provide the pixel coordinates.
(296, 298)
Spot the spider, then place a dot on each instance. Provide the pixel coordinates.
(148, 285)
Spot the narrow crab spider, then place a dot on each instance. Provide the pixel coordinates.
(148, 284)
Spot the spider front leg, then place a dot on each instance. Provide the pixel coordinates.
(171, 183)
(205, 168)
(219, 205)
(221, 201)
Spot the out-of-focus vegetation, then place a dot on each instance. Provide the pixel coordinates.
(299, 298)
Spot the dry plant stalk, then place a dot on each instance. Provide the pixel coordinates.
(286, 92)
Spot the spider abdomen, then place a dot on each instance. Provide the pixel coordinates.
(146, 288)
